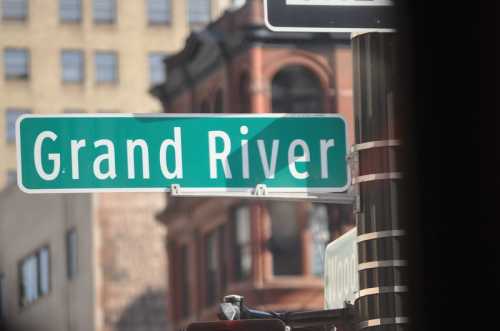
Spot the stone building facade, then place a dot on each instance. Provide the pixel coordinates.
(268, 251)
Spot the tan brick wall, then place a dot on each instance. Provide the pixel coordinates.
(132, 290)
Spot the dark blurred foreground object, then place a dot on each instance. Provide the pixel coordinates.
(233, 309)
(382, 299)
(239, 325)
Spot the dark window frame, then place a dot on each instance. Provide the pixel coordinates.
(72, 254)
(218, 107)
(216, 283)
(23, 78)
(3, 297)
(151, 64)
(277, 247)
(205, 107)
(16, 18)
(106, 21)
(244, 93)
(183, 251)
(237, 248)
(71, 20)
(198, 23)
(20, 111)
(40, 295)
(167, 22)
(82, 66)
(116, 79)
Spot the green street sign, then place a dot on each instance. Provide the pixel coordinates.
(198, 153)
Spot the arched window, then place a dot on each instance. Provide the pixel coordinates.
(244, 93)
(296, 89)
(219, 102)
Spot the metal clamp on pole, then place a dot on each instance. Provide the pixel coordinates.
(378, 176)
(382, 264)
(380, 234)
(375, 144)
(382, 289)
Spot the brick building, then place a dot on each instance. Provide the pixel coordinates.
(77, 262)
(269, 252)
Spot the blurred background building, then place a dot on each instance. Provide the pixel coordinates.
(84, 261)
(270, 252)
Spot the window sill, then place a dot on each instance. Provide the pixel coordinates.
(72, 83)
(160, 24)
(104, 23)
(14, 19)
(17, 79)
(70, 22)
(107, 84)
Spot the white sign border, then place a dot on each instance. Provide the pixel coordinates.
(199, 191)
(302, 29)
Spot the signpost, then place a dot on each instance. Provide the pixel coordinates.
(186, 152)
(329, 15)
(381, 262)
(341, 271)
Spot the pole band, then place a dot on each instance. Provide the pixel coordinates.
(375, 144)
(379, 176)
(382, 264)
(380, 234)
(383, 321)
(382, 289)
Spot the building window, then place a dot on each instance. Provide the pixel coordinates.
(296, 89)
(16, 63)
(242, 249)
(199, 11)
(11, 116)
(70, 10)
(14, 9)
(104, 11)
(159, 11)
(72, 66)
(34, 276)
(71, 253)
(285, 239)
(3, 298)
(157, 68)
(106, 67)
(11, 177)
(219, 102)
(212, 262)
(320, 236)
(244, 93)
(184, 280)
(205, 107)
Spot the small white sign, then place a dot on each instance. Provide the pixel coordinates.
(341, 271)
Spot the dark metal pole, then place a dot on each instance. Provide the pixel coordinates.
(382, 261)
